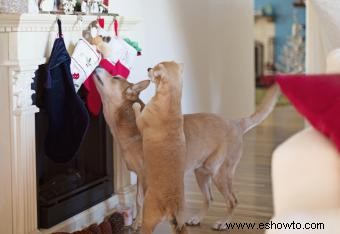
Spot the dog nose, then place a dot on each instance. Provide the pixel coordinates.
(149, 69)
(98, 72)
(99, 69)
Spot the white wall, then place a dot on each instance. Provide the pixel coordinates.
(214, 40)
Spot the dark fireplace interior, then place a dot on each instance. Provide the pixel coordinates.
(66, 189)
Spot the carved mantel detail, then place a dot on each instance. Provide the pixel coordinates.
(22, 78)
(25, 44)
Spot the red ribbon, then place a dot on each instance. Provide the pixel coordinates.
(115, 24)
(101, 22)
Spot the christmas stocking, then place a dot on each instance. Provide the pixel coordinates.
(118, 63)
(84, 60)
(121, 50)
(93, 100)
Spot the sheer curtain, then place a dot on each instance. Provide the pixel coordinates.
(323, 32)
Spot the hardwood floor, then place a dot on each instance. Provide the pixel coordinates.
(253, 176)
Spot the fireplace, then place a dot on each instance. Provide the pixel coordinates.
(66, 189)
(26, 43)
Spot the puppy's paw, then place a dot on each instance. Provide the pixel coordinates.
(220, 225)
(137, 224)
(193, 221)
(136, 106)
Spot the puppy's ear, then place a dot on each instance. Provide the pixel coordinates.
(133, 91)
(140, 86)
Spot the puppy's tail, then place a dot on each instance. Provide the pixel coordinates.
(266, 107)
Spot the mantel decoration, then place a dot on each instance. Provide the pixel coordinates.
(68, 6)
(74, 6)
(13, 6)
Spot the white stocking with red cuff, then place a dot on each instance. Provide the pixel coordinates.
(84, 60)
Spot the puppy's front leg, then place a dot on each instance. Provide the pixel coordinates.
(139, 201)
(137, 109)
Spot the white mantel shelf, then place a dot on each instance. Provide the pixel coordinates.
(43, 22)
(26, 41)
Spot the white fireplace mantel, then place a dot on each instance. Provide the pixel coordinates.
(25, 43)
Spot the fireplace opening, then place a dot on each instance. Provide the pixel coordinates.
(66, 189)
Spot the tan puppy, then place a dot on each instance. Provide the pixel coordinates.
(161, 126)
(214, 145)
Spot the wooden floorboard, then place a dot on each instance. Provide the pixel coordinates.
(253, 176)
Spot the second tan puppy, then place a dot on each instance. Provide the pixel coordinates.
(161, 126)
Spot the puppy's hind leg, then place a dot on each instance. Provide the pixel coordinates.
(223, 180)
(203, 178)
(152, 215)
(178, 224)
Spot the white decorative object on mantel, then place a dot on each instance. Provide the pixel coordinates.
(46, 5)
(84, 7)
(68, 6)
(26, 41)
(19, 6)
(33, 7)
(13, 6)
